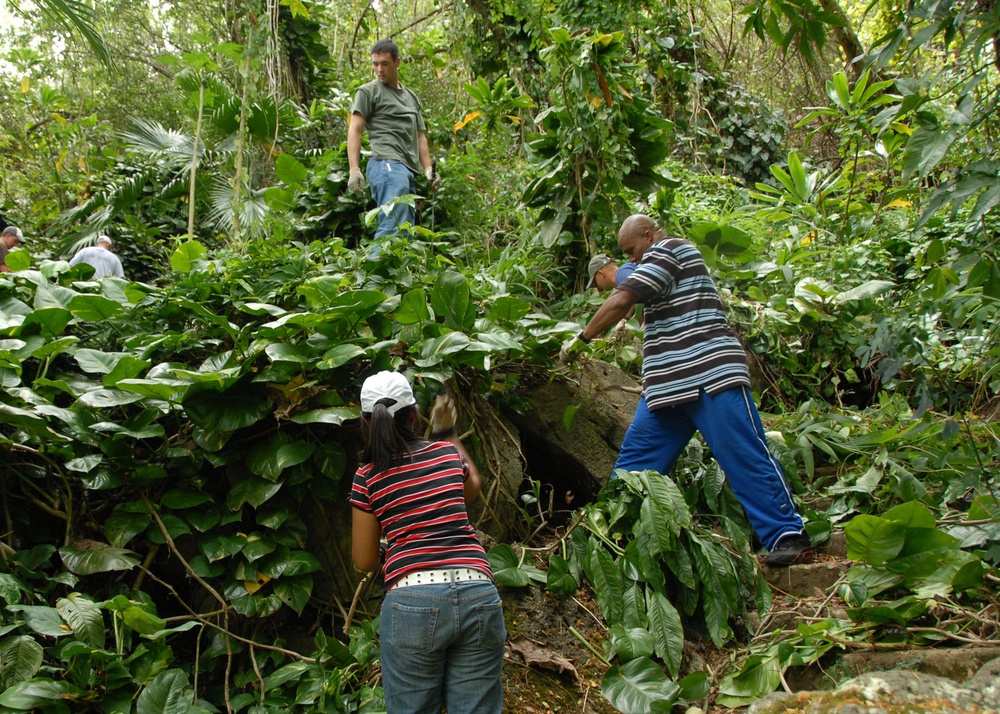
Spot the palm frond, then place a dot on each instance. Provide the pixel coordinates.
(226, 116)
(154, 139)
(253, 209)
(263, 119)
(78, 15)
(100, 209)
(190, 82)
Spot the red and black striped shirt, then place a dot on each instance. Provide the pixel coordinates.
(420, 505)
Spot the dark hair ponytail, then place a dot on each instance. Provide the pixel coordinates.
(387, 436)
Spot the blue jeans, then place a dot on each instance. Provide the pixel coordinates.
(731, 427)
(390, 179)
(442, 645)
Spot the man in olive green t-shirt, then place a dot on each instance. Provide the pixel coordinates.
(399, 149)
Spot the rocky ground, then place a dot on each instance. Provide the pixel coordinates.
(551, 665)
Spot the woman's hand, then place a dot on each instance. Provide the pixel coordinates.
(443, 416)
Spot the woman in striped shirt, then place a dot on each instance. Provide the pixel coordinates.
(442, 629)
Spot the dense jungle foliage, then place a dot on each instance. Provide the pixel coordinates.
(177, 445)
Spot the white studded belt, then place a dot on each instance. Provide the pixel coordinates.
(434, 577)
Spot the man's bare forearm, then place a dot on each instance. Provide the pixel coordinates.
(614, 309)
(354, 134)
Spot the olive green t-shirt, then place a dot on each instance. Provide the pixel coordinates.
(392, 117)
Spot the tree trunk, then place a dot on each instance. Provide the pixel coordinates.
(846, 37)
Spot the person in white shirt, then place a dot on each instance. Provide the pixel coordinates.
(100, 257)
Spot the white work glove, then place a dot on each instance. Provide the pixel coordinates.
(432, 177)
(572, 349)
(620, 330)
(443, 417)
(356, 183)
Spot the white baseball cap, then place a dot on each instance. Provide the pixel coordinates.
(16, 232)
(386, 385)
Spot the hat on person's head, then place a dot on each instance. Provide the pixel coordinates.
(386, 385)
(596, 263)
(15, 231)
(103, 239)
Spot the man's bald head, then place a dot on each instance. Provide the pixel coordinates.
(637, 233)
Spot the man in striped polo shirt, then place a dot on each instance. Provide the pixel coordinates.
(695, 377)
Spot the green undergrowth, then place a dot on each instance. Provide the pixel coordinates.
(168, 438)
(672, 559)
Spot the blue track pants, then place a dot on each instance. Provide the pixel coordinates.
(731, 427)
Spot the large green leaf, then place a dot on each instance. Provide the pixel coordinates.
(142, 620)
(290, 170)
(97, 361)
(168, 693)
(40, 694)
(630, 643)
(340, 355)
(498, 340)
(874, 540)
(186, 257)
(723, 239)
(42, 619)
(332, 415)
(180, 498)
(452, 299)
(127, 367)
(412, 308)
(295, 592)
(284, 563)
(104, 398)
(94, 308)
(866, 290)
(925, 148)
(48, 321)
(559, 579)
(356, 304)
(663, 489)
(760, 675)
(24, 418)
(228, 410)
(433, 351)
(18, 259)
(508, 309)
(124, 524)
(48, 296)
(101, 559)
(166, 389)
(912, 514)
(639, 687)
(20, 660)
(270, 458)
(84, 616)
(286, 352)
(506, 566)
(719, 584)
(606, 580)
(10, 589)
(655, 524)
(252, 490)
(695, 686)
(318, 292)
(665, 626)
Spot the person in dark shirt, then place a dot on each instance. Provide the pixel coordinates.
(391, 113)
(695, 378)
(12, 236)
